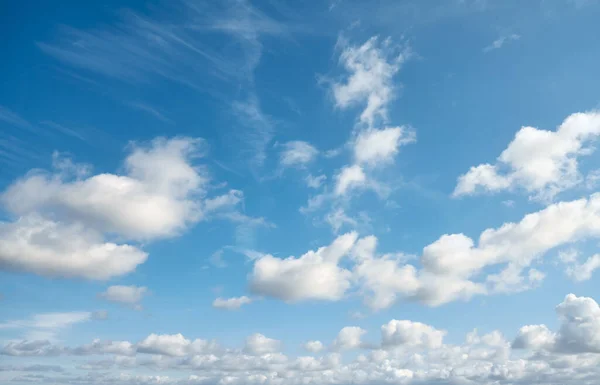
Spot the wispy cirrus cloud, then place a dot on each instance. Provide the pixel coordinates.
(499, 42)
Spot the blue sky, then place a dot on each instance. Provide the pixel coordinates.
(270, 192)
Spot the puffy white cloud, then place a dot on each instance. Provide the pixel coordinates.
(349, 338)
(258, 344)
(231, 303)
(580, 325)
(66, 216)
(57, 249)
(579, 330)
(410, 353)
(348, 178)
(374, 146)
(156, 197)
(411, 334)
(175, 345)
(297, 153)
(454, 267)
(371, 68)
(541, 162)
(314, 275)
(534, 337)
(313, 346)
(129, 295)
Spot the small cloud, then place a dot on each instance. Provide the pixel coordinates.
(499, 42)
(315, 181)
(100, 315)
(508, 203)
(148, 109)
(126, 295)
(231, 303)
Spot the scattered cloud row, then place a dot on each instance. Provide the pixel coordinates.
(408, 352)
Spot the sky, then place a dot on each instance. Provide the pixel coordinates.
(278, 192)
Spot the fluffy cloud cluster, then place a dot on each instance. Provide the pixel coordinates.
(579, 330)
(453, 267)
(541, 162)
(65, 217)
(314, 275)
(371, 68)
(409, 352)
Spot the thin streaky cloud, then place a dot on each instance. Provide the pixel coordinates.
(148, 109)
(501, 41)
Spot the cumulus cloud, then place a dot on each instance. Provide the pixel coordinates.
(349, 338)
(174, 345)
(379, 146)
(128, 295)
(410, 352)
(371, 67)
(155, 197)
(313, 346)
(258, 344)
(349, 177)
(579, 330)
(297, 153)
(454, 267)
(231, 303)
(65, 216)
(411, 334)
(314, 275)
(543, 163)
(56, 249)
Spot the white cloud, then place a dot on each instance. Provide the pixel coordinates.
(56, 249)
(45, 326)
(350, 177)
(579, 330)
(349, 338)
(315, 181)
(454, 267)
(119, 348)
(371, 68)
(410, 353)
(297, 153)
(231, 303)
(576, 270)
(175, 345)
(129, 295)
(338, 218)
(543, 163)
(258, 344)
(157, 196)
(412, 334)
(498, 43)
(313, 346)
(534, 337)
(373, 146)
(314, 275)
